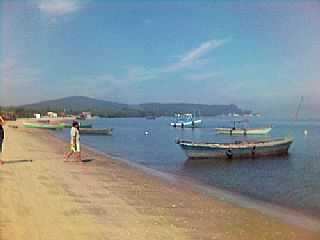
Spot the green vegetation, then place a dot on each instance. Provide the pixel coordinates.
(20, 112)
(76, 105)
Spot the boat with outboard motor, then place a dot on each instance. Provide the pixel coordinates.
(236, 149)
(243, 130)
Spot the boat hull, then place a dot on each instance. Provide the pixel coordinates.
(236, 150)
(82, 125)
(238, 131)
(96, 131)
(150, 117)
(42, 126)
(189, 124)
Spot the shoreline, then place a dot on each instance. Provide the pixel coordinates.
(288, 215)
(108, 197)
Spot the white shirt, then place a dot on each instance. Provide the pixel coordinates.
(75, 134)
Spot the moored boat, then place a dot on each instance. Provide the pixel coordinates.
(96, 131)
(82, 125)
(186, 120)
(43, 121)
(43, 126)
(151, 117)
(237, 149)
(244, 131)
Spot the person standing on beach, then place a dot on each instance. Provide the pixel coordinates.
(1, 137)
(75, 142)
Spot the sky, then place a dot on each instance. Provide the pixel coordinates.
(259, 55)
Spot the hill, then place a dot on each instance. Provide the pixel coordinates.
(168, 109)
(78, 104)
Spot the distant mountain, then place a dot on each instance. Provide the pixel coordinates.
(78, 104)
(203, 109)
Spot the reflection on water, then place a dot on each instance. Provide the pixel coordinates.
(192, 164)
(291, 180)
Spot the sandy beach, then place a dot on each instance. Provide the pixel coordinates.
(43, 197)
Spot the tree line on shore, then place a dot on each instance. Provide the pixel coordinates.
(76, 105)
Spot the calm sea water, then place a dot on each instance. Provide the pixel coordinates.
(292, 181)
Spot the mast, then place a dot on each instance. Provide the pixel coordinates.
(299, 107)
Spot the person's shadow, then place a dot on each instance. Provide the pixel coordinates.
(87, 160)
(17, 161)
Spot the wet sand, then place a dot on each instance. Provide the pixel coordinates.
(102, 198)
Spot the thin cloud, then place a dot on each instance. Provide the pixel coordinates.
(15, 72)
(136, 74)
(194, 56)
(60, 7)
(202, 76)
(116, 83)
(15, 77)
(202, 50)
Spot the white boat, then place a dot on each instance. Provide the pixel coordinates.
(244, 131)
(186, 120)
(237, 149)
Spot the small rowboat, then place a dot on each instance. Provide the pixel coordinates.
(96, 131)
(243, 131)
(238, 149)
(82, 125)
(44, 121)
(42, 126)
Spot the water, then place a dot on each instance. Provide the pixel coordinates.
(292, 181)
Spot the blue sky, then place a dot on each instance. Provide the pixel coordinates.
(260, 55)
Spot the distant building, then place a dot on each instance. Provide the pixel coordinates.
(86, 115)
(10, 116)
(62, 114)
(37, 115)
(52, 115)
